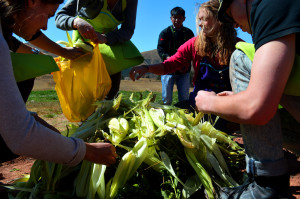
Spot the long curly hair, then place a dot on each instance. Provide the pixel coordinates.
(8, 8)
(224, 38)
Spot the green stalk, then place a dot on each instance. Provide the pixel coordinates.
(83, 179)
(201, 172)
(97, 177)
(128, 165)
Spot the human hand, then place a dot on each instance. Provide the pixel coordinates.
(225, 93)
(139, 71)
(101, 39)
(101, 153)
(85, 29)
(203, 100)
(72, 52)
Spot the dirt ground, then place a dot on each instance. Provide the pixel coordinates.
(11, 170)
(46, 83)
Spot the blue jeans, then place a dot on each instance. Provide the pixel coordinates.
(182, 83)
(263, 144)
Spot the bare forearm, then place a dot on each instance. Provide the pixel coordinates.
(139, 71)
(236, 108)
(157, 69)
(45, 43)
(259, 102)
(247, 107)
(23, 48)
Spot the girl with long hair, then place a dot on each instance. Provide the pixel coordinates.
(209, 53)
(214, 37)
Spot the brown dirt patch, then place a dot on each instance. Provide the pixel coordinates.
(46, 83)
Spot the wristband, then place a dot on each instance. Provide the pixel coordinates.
(35, 51)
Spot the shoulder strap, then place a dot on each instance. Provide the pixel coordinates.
(105, 4)
(247, 48)
(77, 7)
(124, 4)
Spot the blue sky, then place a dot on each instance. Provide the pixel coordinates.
(152, 17)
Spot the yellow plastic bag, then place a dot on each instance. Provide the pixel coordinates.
(80, 83)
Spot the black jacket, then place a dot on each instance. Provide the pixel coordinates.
(170, 39)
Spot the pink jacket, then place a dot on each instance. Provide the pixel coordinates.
(183, 57)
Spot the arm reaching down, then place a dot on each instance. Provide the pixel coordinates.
(270, 71)
(139, 71)
(101, 153)
(45, 43)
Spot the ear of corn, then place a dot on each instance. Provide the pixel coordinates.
(128, 165)
(69, 39)
(82, 181)
(198, 118)
(96, 180)
(139, 129)
(64, 43)
(147, 122)
(201, 172)
(101, 188)
(158, 118)
(87, 47)
(207, 129)
(118, 129)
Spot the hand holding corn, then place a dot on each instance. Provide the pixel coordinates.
(85, 29)
(202, 98)
(100, 153)
(225, 93)
(72, 52)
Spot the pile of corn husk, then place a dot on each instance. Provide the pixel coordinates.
(164, 152)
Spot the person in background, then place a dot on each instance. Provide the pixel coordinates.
(21, 132)
(170, 39)
(209, 52)
(258, 88)
(97, 21)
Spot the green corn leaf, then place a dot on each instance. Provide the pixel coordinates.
(97, 177)
(166, 161)
(83, 179)
(69, 39)
(229, 182)
(201, 172)
(213, 147)
(85, 46)
(128, 165)
(64, 43)
(192, 185)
